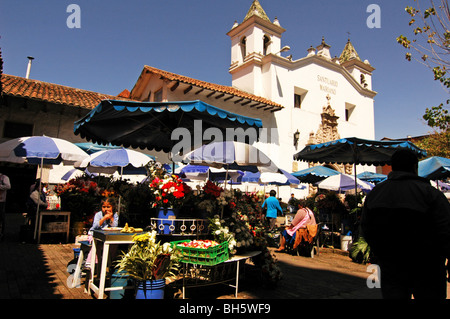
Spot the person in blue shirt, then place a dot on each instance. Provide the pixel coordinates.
(272, 205)
(107, 217)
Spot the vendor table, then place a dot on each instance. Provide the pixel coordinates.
(116, 238)
(107, 238)
(200, 275)
(61, 227)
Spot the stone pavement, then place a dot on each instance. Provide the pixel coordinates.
(31, 271)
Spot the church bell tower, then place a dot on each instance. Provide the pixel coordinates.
(252, 40)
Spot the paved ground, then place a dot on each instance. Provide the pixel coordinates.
(31, 271)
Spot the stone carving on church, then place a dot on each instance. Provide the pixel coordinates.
(328, 131)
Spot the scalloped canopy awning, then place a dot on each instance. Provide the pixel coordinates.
(150, 124)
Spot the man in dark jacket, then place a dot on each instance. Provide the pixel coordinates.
(406, 222)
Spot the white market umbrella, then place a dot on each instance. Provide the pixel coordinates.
(231, 155)
(343, 182)
(122, 160)
(40, 150)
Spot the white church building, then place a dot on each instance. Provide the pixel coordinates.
(313, 99)
(310, 100)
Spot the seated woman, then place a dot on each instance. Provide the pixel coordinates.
(302, 218)
(107, 217)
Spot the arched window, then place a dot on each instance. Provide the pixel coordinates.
(244, 47)
(266, 44)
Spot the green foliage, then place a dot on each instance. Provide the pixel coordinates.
(438, 117)
(148, 259)
(360, 252)
(430, 45)
(436, 144)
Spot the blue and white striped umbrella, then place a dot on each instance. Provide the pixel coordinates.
(38, 149)
(122, 160)
(231, 155)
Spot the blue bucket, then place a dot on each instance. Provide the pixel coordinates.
(168, 214)
(118, 279)
(151, 289)
(76, 253)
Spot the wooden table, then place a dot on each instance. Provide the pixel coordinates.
(54, 213)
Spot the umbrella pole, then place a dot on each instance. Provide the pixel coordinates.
(120, 197)
(39, 197)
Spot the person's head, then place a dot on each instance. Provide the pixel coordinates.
(292, 195)
(301, 203)
(108, 205)
(405, 161)
(272, 193)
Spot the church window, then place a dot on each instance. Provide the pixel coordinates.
(244, 47)
(363, 80)
(349, 108)
(299, 97)
(266, 44)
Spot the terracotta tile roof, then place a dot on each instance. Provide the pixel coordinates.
(211, 86)
(53, 93)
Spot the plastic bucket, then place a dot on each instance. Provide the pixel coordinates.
(167, 214)
(151, 289)
(76, 253)
(118, 279)
(346, 241)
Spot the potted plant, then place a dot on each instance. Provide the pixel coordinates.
(149, 263)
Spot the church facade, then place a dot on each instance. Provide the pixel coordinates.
(309, 100)
(312, 99)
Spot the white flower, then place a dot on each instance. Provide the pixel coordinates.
(166, 248)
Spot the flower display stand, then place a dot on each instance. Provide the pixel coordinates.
(180, 226)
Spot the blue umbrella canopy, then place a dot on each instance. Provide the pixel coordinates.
(343, 182)
(38, 149)
(231, 155)
(284, 178)
(435, 168)
(202, 172)
(250, 177)
(371, 177)
(353, 150)
(150, 124)
(91, 148)
(122, 160)
(280, 179)
(314, 174)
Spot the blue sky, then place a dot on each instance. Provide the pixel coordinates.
(117, 38)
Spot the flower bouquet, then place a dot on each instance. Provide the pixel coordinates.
(169, 190)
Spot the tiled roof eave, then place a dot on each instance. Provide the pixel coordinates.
(52, 93)
(228, 90)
